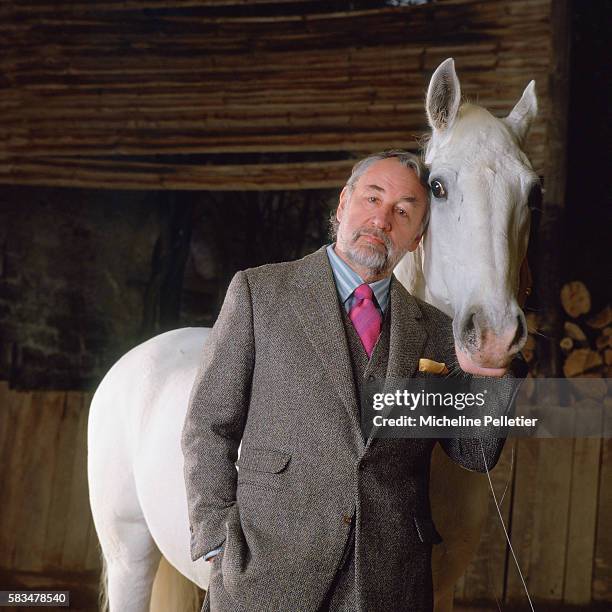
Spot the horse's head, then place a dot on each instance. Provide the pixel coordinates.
(481, 183)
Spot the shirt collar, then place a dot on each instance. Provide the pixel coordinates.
(347, 280)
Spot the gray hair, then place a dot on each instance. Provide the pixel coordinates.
(406, 159)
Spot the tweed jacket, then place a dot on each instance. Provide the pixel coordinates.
(276, 376)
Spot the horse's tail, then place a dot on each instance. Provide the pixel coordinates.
(172, 592)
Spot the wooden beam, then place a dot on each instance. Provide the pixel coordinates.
(120, 79)
(66, 172)
(548, 264)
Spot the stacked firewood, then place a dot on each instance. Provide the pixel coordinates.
(586, 344)
(587, 339)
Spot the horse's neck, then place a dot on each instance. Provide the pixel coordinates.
(410, 272)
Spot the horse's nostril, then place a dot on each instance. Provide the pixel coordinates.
(520, 332)
(469, 329)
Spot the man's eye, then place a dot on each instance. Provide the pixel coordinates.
(402, 212)
(438, 190)
(372, 199)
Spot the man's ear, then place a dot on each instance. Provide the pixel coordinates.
(342, 203)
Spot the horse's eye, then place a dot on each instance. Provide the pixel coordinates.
(438, 189)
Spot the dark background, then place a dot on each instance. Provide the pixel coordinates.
(587, 236)
(87, 274)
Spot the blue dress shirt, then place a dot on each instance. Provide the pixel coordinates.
(347, 280)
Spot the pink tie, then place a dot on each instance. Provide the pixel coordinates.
(366, 317)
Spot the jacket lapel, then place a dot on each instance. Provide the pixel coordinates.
(407, 340)
(317, 306)
(408, 334)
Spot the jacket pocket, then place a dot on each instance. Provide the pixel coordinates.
(234, 555)
(426, 530)
(263, 460)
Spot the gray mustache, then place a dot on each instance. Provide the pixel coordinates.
(376, 234)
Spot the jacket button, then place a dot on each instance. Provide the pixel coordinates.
(347, 519)
(371, 378)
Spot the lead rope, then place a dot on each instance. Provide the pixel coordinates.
(525, 288)
(501, 519)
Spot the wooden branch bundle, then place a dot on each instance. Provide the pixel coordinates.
(156, 77)
(586, 353)
(138, 175)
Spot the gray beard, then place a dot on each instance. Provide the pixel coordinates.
(371, 258)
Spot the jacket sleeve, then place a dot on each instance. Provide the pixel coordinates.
(216, 416)
(483, 452)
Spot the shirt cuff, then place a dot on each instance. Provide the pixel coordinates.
(212, 553)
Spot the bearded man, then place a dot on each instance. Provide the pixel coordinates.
(319, 517)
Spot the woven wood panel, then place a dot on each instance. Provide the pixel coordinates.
(92, 94)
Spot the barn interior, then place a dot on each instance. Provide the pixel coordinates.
(152, 148)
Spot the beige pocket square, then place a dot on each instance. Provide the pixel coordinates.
(432, 367)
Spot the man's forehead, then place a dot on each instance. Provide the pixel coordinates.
(389, 174)
(390, 168)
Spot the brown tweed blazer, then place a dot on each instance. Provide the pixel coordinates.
(276, 374)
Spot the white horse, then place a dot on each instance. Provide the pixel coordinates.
(468, 265)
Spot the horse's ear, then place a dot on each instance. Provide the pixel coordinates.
(443, 96)
(523, 113)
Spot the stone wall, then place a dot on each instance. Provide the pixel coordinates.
(87, 274)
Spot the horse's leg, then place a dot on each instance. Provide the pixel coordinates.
(130, 553)
(131, 571)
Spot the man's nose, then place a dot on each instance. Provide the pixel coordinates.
(382, 219)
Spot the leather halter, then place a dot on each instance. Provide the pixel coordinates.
(525, 283)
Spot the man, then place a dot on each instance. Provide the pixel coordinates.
(317, 518)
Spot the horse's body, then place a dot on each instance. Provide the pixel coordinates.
(135, 464)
